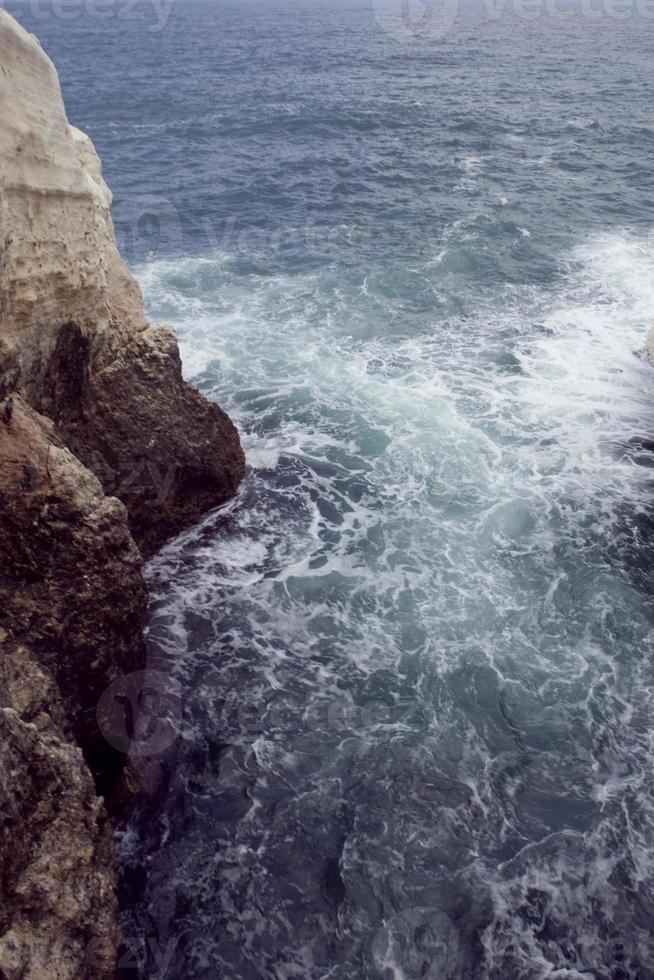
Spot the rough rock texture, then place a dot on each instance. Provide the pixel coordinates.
(58, 915)
(100, 411)
(152, 439)
(71, 607)
(70, 574)
(73, 336)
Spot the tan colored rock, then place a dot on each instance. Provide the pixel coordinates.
(70, 574)
(72, 601)
(58, 912)
(58, 258)
(73, 337)
(100, 411)
(151, 438)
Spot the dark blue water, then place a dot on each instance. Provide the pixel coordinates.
(414, 258)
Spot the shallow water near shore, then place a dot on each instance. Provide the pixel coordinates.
(415, 650)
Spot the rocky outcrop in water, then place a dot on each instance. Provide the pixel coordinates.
(104, 452)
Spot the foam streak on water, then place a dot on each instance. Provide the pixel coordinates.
(415, 656)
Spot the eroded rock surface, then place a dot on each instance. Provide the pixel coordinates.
(150, 437)
(58, 914)
(71, 588)
(99, 412)
(73, 336)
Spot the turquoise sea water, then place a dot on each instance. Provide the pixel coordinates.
(414, 259)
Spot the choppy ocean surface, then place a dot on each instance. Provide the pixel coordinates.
(415, 262)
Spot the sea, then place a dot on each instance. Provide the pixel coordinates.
(409, 247)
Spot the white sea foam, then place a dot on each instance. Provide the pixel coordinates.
(438, 506)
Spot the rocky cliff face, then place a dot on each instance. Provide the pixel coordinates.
(73, 335)
(104, 452)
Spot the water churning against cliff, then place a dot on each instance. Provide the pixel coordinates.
(416, 650)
